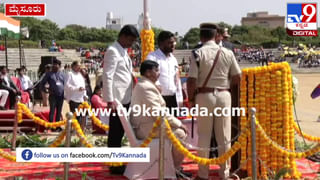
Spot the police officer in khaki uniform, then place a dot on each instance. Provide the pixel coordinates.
(211, 92)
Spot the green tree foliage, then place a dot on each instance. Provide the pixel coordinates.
(279, 32)
(48, 30)
(1, 8)
(156, 32)
(255, 36)
(225, 25)
(192, 37)
(67, 34)
(40, 29)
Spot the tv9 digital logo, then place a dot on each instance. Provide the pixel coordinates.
(302, 19)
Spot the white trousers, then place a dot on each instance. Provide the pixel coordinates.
(3, 97)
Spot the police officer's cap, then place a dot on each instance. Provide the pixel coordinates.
(208, 26)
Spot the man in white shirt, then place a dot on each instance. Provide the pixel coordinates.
(3, 98)
(169, 79)
(74, 87)
(26, 83)
(118, 83)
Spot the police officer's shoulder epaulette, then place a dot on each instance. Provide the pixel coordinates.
(195, 53)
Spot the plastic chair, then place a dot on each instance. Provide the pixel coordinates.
(149, 170)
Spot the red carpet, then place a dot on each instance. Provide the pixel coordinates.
(99, 171)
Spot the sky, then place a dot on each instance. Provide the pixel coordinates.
(173, 15)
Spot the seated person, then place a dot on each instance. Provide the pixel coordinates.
(3, 98)
(25, 96)
(26, 83)
(7, 84)
(147, 93)
(98, 103)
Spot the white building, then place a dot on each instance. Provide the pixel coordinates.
(113, 23)
(117, 23)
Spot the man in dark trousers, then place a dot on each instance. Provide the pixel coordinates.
(56, 81)
(118, 83)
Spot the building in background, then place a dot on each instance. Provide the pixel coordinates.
(263, 19)
(113, 23)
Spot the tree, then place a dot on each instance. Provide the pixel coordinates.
(279, 32)
(40, 29)
(225, 25)
(239, 30)
(76, 27)
(52, 28)
(1, 8)
(106, 35)
(67, 34)
(156, 32)
(192, 37)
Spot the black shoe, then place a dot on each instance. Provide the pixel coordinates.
(117, 170)
(182, 174)
(2, 108)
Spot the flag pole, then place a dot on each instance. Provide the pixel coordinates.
(146, 19)
(147, 35)
(20, 56)
(6, 50)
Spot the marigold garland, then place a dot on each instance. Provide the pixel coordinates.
(250, 105)
(145, 143)
(267, 125)
(95, 120)
(243, 119)
(59, 139)
(279, 119)
(269, 90)
(205, 161)
(287, 153)
(147, 42)
(23, 109)
(80, 133)
(304, 135)
(85, 142)
(7, 156)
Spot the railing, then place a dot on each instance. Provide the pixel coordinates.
(166, 130)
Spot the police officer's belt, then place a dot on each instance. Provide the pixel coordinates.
(207, 90)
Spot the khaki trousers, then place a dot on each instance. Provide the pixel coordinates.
(221, 125)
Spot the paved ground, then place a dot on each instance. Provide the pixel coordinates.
(307, 108)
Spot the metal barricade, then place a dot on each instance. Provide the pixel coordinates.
(69, 116)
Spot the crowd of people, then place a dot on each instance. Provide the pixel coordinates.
(213, 71)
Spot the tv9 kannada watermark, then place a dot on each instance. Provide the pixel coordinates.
(302, 19)
(83, 154)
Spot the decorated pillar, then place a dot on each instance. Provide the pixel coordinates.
(147, 35)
